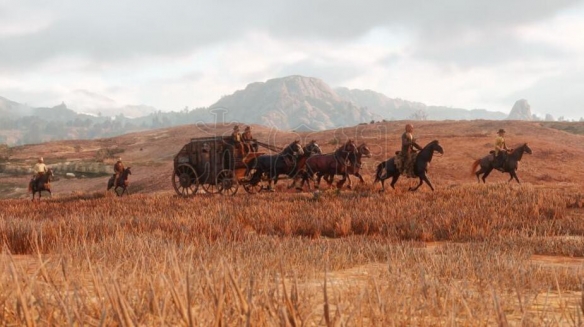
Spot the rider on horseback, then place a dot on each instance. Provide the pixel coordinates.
(39, 170)
(118, 170)
(407, 151)
(500, 150)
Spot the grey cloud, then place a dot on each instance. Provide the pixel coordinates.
(111, 30)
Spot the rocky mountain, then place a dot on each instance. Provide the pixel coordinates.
(389, 108)
(521, 111)
(292, 102)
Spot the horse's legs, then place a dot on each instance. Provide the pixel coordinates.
(513, 175)
(350, 183)
(478, 173)
(342, 181)
(424, 178)
(394, 179)
(486, 174)
(417, 186)
(318, 177)
(361, 180)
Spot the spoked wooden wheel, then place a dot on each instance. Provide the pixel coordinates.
(227, 181)
(211, 186)
(185, 180)
(248, 187)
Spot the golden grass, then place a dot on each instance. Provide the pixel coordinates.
(336, 258)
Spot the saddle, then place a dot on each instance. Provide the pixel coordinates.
(400, 164)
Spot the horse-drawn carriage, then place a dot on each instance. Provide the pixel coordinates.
(215, 164)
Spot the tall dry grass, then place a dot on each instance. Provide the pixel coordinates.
(349, 258)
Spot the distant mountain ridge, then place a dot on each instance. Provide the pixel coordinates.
(292, 102)
(380, 104)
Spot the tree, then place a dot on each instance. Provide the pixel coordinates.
(420, 114)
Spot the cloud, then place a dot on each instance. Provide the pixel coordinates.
(112, 30)
(182, 52)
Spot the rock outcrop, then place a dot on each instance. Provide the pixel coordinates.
(521, 111)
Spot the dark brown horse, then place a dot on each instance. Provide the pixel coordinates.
(42, 184)
(335, 163)
(121, 183)
(509, 166)
(420, 167)
(311, 149)
(286, 162)
(363, 151)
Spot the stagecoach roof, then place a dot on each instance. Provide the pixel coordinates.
(210, 138)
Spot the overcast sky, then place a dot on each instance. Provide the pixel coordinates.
(176, 53)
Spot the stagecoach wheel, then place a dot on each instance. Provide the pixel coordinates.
(185, 180)
(227, 181)
(248, 187)
(212, 187)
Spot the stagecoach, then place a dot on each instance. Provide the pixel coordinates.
(216, 165)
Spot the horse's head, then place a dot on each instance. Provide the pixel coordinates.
(526, 148)
(295, 148)
(312, 148)
(350, 147)
(364, 150)
(128, 171)
(436, 147)
(50, 174)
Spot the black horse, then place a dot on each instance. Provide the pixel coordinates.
(121, 183)
(42, 183)
(420, 167)
(286, 162)
(311, 149)
(509, 166)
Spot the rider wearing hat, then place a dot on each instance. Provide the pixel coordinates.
(500, 149)
(407, 150)
(39, 170)
(118, 170)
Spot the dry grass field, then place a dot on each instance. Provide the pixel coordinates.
(467, 254)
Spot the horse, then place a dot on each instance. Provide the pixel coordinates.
(309, 150)
(509, 166)
(363, 151)
(42, 184)
(286, 162)
(122, 182)
(335, 163)
(420, 167)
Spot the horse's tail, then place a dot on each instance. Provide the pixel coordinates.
(378, 172)
(475, 164)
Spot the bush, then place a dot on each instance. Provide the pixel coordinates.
(108, 153)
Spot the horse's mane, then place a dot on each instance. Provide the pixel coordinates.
(519, 147)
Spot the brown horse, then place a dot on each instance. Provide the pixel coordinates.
(510, 165)
(311, 149)
(363, 151)
(42, 184)
(335, 163)
(121, 183)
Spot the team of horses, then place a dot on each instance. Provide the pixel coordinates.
(306, 165)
